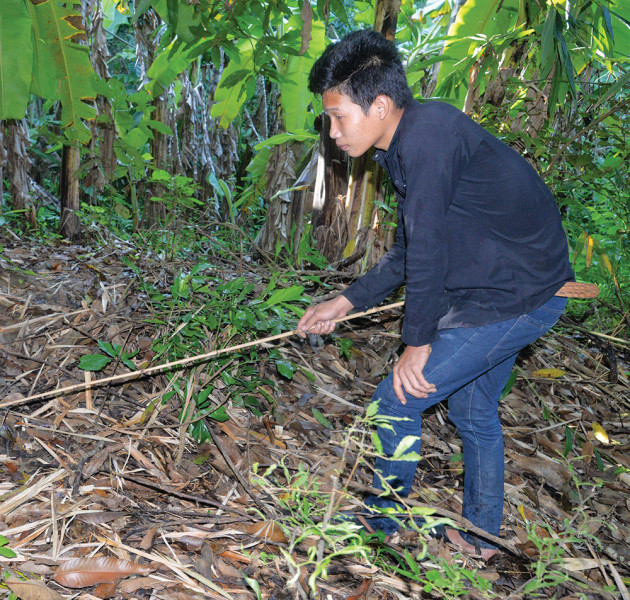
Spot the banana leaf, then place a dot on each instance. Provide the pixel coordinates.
(16, 59)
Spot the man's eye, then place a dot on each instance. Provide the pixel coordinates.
(338, 117)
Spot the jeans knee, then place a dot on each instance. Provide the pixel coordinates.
(487, 428)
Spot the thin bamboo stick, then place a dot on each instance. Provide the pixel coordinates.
(180, 363)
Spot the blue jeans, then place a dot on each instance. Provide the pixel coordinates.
(470, 366)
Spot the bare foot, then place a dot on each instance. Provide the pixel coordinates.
(455, 537)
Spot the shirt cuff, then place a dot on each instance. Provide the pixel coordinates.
(354, 297)
(413, 335)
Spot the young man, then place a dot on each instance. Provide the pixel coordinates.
(480, 248)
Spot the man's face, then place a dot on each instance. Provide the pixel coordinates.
(353, 130)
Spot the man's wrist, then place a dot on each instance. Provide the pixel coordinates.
(344, 302)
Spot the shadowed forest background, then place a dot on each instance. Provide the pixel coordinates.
(168, 189)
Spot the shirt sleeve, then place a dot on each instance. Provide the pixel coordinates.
(385, 277)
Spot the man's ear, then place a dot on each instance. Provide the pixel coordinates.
(383, 105)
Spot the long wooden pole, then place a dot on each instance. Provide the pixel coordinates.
(179, 363)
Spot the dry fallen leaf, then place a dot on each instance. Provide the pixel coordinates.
(85, 572)
(105, 590)
(600, 433)
(363, 591)
(31, 589)
(553, 373)
(269, 531)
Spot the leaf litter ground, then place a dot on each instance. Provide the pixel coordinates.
(108, 476)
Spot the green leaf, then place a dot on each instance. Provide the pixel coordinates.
(7, 553)
(170, 63)
(568, 443)
(16, 59)
(285, 368)
(509, 385)
(376, 441)
(62, 68)
(180, 17)
(200, 432)
(220, 414)
(295, 96)
(229, 98)
(402, 450)
(94, 362)
(322, 419)
(126, 360)
(372, 409)
(285, 295)
(548, 55)
(109, 349)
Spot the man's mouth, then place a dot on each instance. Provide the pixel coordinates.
(343, 147)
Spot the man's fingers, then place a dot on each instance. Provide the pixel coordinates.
(409, 382)
(399, 390)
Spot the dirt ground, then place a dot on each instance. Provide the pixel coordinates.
(109, 473)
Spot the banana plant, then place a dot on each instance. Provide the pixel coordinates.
(40, 54)
(285, 45)
(563, 37)
(16, 59)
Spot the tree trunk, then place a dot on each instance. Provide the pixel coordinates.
(328, 217)
(278, 228)
(69, 225)
(18, 166)
(348, 225)
(386, 17)
(103, 134)
(155, 210)
(3, 157)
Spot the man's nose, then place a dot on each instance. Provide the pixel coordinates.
(334, 131)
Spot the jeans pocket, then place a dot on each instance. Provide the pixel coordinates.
(525, 330)
(547, 315)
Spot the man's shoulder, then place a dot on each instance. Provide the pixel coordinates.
(433, 112)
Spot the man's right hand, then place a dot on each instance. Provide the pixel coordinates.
(320, 319)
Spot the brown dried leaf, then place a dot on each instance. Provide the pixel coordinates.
(98, 518)
(551, 472)
(131, 586)
(105, 590)
(363, 591)
(307, 26)
(31, 589)
(226, 570)
(85, 572)
(147, 540)
(269, 531)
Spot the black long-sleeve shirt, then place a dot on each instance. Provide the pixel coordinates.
(479, 236)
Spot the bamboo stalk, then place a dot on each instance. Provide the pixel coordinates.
(180, 363)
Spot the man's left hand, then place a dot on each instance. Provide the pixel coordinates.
(408, 373)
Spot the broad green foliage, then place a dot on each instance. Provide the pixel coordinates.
(40, 54)
(62, 69)
(16, 58)
(295, 96)
(561, 42)
(182, 17)
(280, 44)
(479, 23)
(172, 61)
(620, 23)
(236, 85)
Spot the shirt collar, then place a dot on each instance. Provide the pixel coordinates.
(380, 156)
